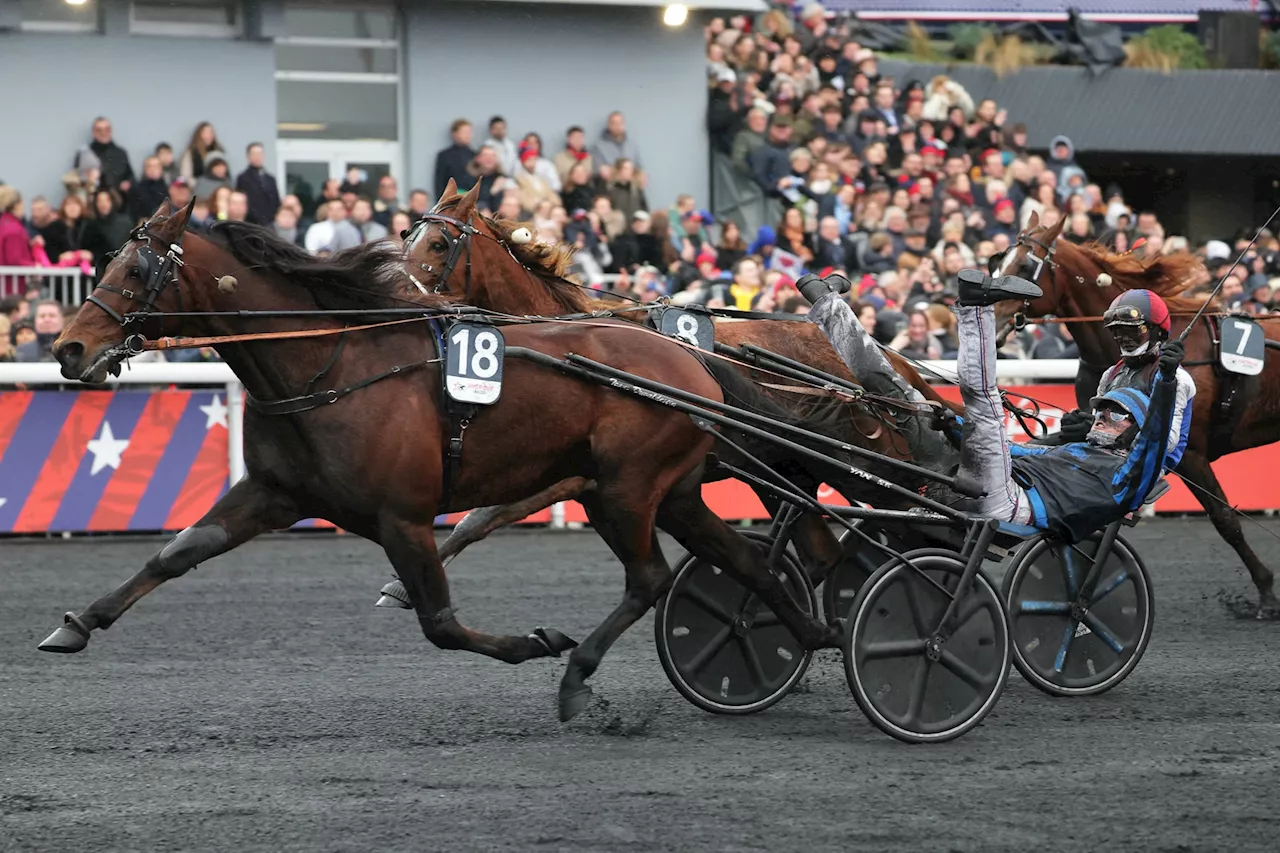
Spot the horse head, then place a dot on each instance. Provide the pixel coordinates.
(1032, 256)
(143, 281)
(489, 263)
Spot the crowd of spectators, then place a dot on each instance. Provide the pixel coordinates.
(898, 184)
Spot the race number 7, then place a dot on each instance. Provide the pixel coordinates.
(1246, 329)
(483, 362)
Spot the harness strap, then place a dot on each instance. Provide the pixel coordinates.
(213, 340)
(307, 402)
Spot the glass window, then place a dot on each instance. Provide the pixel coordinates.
(328, 110)
(185, 11)
(346, 23)
(44, 15)
(338, 60)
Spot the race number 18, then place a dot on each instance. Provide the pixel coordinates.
(473, 363)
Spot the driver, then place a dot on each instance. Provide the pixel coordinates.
(1072, 490)
(1139, 321)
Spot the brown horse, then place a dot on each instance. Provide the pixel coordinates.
(476, 259)
(373, 464)
(1081, 282)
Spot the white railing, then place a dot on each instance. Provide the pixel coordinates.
(217, 373)
(68, 285)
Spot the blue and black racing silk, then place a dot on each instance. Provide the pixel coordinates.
(1077, 489)
(1122, 375)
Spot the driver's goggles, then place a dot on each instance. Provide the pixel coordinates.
(1115, 416)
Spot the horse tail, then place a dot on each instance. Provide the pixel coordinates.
(822, 415)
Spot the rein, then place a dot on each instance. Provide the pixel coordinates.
(212, 340)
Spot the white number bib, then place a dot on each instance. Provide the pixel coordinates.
(473, 363)
(696, 329)
(1243, 347)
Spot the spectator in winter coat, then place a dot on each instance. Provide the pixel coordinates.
(614, 145)
(453, 162)
(542, 167)
(624, 190)
(216, 174)
(502, 145)
(831, 249)
(286, 226)
(1061, 155)
(362, 219)
(15, 244)
(203, 141)
(117, 174)
(387, 204)
(771, 162)
(748, 139)
(145, 196)
(578, 192)
(533, 188)
(732, 248)
(575, 152)
(48, 322)
(637, 245)
(259, 186)
(334, 232)
(108, 231)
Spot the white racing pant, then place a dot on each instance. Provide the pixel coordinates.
(984, 453)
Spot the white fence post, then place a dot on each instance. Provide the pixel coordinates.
(65, 284)
(557, 515)
(235, 431)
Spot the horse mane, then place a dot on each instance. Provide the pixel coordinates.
(1167, 276)
(550, 262)
(367, 276)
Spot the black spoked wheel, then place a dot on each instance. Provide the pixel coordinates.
(910, 692)
(722, 648)
(860, 561)
(1069, 645)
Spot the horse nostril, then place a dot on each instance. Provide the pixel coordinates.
(69, 352)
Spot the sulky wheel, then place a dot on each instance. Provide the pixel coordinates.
(1068, 645)
(912, 690)
(860, 561)
(722, 649)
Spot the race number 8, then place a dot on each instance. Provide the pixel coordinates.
(483, 363)
(687, 329)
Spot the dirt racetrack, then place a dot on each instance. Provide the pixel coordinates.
(262, 703)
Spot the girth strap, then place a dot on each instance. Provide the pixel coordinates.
(307, 402)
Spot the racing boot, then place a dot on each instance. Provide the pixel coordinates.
(813, 288)
(978, 288)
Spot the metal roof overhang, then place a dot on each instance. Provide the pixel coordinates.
(693, 5)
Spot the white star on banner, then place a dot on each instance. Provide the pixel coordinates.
(106, 449)
(3, 501)
(215, 413)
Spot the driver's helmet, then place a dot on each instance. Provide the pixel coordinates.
(1137, 318)
(1130, 400)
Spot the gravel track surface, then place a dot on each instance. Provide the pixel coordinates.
(262, 703)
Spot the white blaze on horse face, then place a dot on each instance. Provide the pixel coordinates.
(1009, 258)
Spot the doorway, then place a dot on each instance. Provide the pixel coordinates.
(305, 164)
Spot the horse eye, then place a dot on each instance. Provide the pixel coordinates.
(134, 272)
(404, 234)
(438, 246)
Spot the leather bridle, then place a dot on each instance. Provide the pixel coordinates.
(153, 271)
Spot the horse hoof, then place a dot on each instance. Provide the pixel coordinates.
(553, 641)
(72, 637)
(394, 595)
(573, 704)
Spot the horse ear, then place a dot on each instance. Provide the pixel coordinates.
(179, 222)
(164, 211)
(450, 190)
(1034, 221)
(468, 203)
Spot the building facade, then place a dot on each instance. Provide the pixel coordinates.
(326, 86)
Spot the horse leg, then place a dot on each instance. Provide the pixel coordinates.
(247, 510)
(629, 532)
(686, 517)
(1195, 469)
(479, 523)
(411, 547)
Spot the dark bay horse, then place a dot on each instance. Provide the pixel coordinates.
(489, 269)
(372, 464)
(1081, 282)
